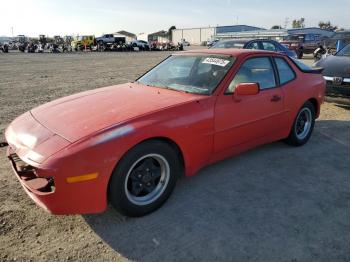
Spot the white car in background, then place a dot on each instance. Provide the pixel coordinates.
(142, 45)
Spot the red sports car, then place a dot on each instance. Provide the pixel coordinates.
(128, 144)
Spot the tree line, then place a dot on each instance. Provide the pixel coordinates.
(300, 23)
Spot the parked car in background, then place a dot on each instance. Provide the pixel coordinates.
(142, 45)
(212, 42)
(165, 46)
(338, 41)
(302, 43)
(105, 39)
(128, 144)
(111, 42)
(258, 44)
(336, 71)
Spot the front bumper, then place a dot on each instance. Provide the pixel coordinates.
(50, 191)
(41, 190)
(338, 89)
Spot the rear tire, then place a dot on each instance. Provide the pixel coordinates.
(303, 125)
(144, 178)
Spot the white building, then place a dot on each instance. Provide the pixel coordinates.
(143, 37)
(198, 36)
(194, 36)
(129, 37)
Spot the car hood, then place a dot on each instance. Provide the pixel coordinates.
(77, 116)
(335, 66)
(31, 141)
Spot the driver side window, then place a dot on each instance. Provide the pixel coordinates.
(255, 70)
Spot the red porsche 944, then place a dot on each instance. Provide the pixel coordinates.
(128, 144)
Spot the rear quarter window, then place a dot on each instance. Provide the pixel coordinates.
(285, 72)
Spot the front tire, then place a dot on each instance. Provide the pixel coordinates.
(144, 178)
(303, 125)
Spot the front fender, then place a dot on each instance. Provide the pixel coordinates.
(100, 153)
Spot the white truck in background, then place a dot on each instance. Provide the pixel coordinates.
(110, 39)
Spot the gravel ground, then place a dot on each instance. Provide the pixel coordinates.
(274, 203)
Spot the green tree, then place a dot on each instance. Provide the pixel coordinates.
(327, 25)
(298, 23)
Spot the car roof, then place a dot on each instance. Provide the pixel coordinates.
(236, 40)
(230, 52)
(265, 39)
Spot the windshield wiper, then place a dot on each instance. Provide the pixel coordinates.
(193, 89)
(179, 90)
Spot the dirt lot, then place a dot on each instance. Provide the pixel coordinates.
(274, 203)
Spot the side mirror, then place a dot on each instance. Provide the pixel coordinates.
(247, 89)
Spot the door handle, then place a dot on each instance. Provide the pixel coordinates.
(276, 98)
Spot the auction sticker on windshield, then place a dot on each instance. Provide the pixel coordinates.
(216, 61)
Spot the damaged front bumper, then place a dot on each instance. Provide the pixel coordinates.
(49, 189)
(41, 189)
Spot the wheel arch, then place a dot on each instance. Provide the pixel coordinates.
(163, 139)
(166, 140)
(170, 142)
(316, 106)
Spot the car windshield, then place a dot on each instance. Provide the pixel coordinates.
(197, 74)
(345, 51)
(229, 44)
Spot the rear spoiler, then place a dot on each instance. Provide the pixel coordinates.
(316, 70)
(307, 69)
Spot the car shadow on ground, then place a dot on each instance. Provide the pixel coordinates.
(273, 203)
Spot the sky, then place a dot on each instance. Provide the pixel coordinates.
(71, 17)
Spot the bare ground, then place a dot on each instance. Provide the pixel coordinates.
(274, 203)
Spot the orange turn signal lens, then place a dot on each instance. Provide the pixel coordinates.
(76, 179)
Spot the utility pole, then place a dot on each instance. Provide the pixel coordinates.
(235, 19)
(12, 30)
(286, 22)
